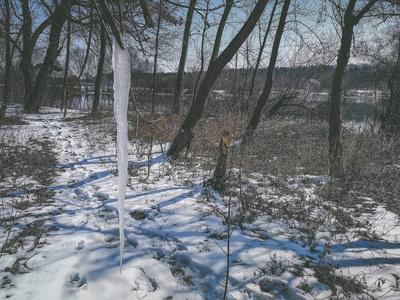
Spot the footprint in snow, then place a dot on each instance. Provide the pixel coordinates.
(79, 191)
(74, 284)
(143, 284)
(101, 196)
(80, 245)
(77, 280)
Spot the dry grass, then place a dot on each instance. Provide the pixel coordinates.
(263, 178)
(27, 167)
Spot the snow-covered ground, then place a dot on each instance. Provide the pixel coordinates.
(175, 238)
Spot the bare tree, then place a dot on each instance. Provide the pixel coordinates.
(390, 118)
(385, 55)
(350, 19)
(220, 30)
(260, 53)
(153, 98)
(63, 104)
(6, 92)
(262, 100)
(206, 25)
(185, 135)
(57, 20)
(99, 74)
(176, 106)
(29, 40)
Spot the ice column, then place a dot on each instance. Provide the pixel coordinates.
(122, 82)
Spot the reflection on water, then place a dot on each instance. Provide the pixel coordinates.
(85, 102)
(356, 105)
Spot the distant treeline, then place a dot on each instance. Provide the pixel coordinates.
(318, 78)
(307, 77)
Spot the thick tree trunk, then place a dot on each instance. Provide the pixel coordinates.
(29, 40)
(27, 49)
(58, 18)
(99, 74)
(262, 100)
(185, 135)
(219, 179)
(176, 106)
(6, 93)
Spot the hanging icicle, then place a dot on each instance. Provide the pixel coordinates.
(122, 81)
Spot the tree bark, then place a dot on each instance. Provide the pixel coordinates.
(153, 99)
(253, 79)
(262, 100)
(58, 18)
(99, 74)
(176, 106)
(219, 179)
(335, 117)
(6, 93)
(220, 30)
(390, 118)
(27, 50)
(203, 37)
(146, 13)
(65, 93)
(29, 40)
(185, 135)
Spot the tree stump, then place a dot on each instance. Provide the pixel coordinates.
(219, 178)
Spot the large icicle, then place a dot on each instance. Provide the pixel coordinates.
(122, 82)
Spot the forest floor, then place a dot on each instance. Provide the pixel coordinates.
(59, 228)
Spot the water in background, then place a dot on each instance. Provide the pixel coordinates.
(357, 105)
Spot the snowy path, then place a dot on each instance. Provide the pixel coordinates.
(81, 258)
(171, 249)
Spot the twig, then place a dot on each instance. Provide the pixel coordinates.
(228, 255)
(148, 123)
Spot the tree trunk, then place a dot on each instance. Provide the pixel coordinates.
(253, 79)
(65, 94)
(335, 116)
(390, 118)
(244, 99)
(99, 74)
(176, 106)
(185, 135)
(6, 93)
(219, 179)
(29, 40)
(220, 30)
(153, 99)
(27, 49)
(58, 18)
(262, 100)
(203, 37)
